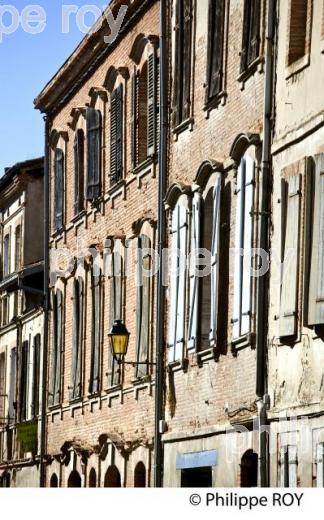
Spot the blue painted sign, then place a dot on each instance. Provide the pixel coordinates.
(200, 459)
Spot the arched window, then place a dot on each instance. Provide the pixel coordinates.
(112, 478)
(54, 481)
(74, 480)
(92, 478)
(249, 469)
(140, 475)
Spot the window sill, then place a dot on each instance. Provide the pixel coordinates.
(188, 123)
(116, 187)
(143, 165)
(76, 401)
(248, 340)
(114, 389)
(176, 366)
(297, 66)
(142, 380)
(77, 218)
(256, 65)
(207, 355)
(58, 233)
(215, 102)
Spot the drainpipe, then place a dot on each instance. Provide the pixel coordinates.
(263, 281)
(158, 448)
(46, 308)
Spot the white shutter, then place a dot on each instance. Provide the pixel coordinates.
(288, 300)
(195, 244)
(173, 281)
(292, 472)
(320, 466)
(181, 299)
(316, 283)
(239, 235)
(283, 466)
(247, 244)
(215, 261)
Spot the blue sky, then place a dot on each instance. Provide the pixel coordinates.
(27, 62)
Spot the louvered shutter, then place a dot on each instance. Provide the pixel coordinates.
(284, 467)
(254, 31)
(247, 244)
(214, 279)
(181, 283)
(57, 388)
(178, 64)
(187, 59)
(75, 328)
(78, 378)
(59, 187)
(94, 140)
(289, 286)
(195, 244)
(151, 103)
(95, 335)
(115, 307)
(143, 304)
(245, 36)
(75, 389)
(173, 283)
(134, 119)
(54, 350)
(23, 380)
(292, 457)
(215, 47)
(316, 283)
(116, 135)
(239, 244)
(78, 171)
(320, 466)
(12, 384)
(36, 376)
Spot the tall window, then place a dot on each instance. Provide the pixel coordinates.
(288, 466)
(78, 313)
(178, 275)
(215, 48)
(143, 303)
(299, 21)
(59, 188)
(18, 248)
(251, 33)
(57, 340)
(6, 255)
(2, 387)
(36, 376)
(24, 373)
(12, 385)
(79, 171)
(243, 244)
(116, 135)
(116, 298)
(94, 144)
(94, 384)
(203, 294)
(182, 61)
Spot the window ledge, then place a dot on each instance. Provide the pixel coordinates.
(76, 401)
(256, 65)
(77, 218)
(188, 123)
(176, 366)
(297, 66)
(143, 165)
(142, 380)
(215, 102)
(115, 388)
(207, 354)
(119, 186)
(248, 340)
(58, 233)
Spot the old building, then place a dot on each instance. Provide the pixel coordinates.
(213, 202)
(21, 325)
(102, 120)
(296, 295)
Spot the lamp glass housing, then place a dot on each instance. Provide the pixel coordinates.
(119, 338)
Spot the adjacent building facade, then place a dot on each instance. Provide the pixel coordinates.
(21, 329)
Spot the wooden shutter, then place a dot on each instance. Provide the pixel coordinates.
(36, 376)
(187, 45)
(94, 142)
(115, 306)
(173, 283)
(59, 187)
(95, 334)
(239, 244)
(59, 341)
(247, 244)
(292, 458)
(24, 380)
(195, 244)
(214, 279)
(289, 285)
(54, 350)
(12, 384)
(18, 248)
(78, 171)
(316, 281)
(215, 47)
(178, 64)
(284, 466)
(134, 119)
(116, 135)
(151, 103)
(320, 465)
(254, 32)
(245, 35)
(143, 304)
(2, 387)
(75, 388)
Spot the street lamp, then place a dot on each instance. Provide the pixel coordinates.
(119, 338)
